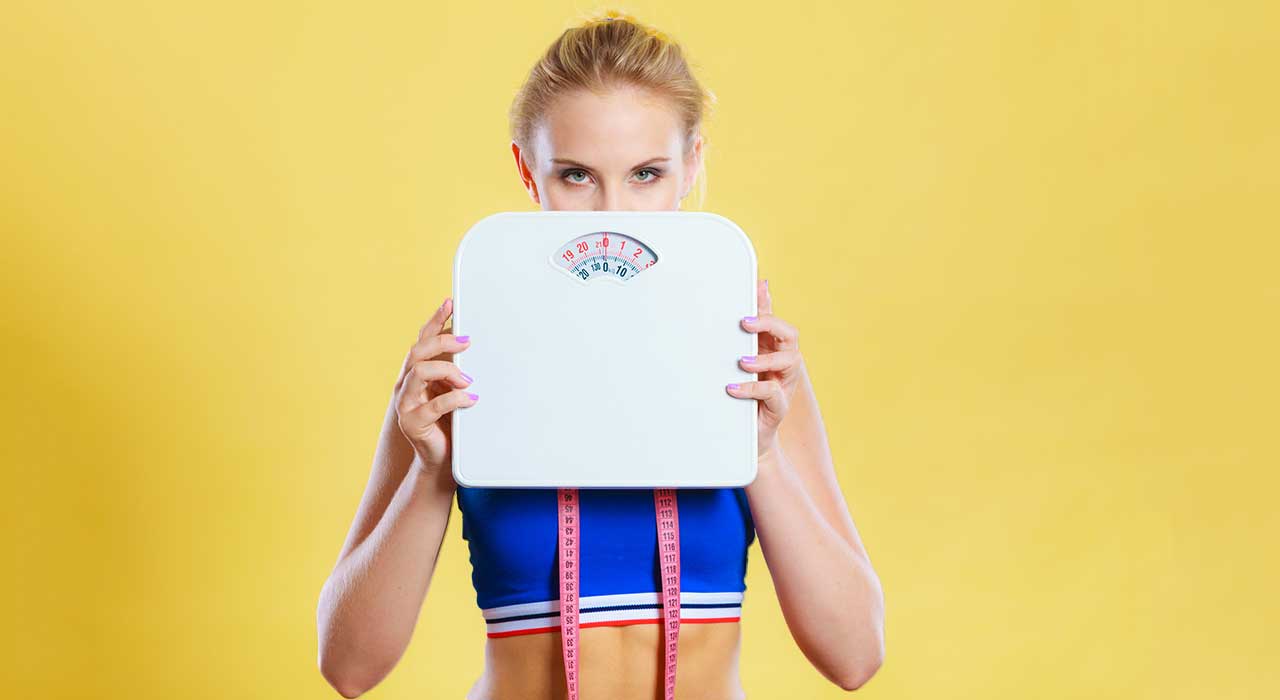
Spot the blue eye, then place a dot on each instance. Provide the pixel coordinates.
(656, 174)
(567, 173)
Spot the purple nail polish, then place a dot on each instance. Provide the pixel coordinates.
(733, 386)
(748, 358)
(463, 338)
(468, 376)
(473, 396)
(749, 319)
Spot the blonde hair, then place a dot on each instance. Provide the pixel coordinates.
(609, 50)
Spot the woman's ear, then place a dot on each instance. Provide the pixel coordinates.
(526, 176)
(692, 163)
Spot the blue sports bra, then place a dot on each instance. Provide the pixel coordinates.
(512, 535)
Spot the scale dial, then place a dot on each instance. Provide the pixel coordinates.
(604, 254)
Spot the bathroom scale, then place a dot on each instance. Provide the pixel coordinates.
(601, 344)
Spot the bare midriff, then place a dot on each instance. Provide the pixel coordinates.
(615, 662)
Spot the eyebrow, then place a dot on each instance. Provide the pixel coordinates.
(567, 161)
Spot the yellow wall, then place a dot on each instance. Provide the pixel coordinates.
(1031, 249)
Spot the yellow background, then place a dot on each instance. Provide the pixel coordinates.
(1030, 249)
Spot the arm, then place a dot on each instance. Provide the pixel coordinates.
(829, 593)
(370, 603)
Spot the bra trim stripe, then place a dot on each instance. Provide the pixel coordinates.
(608, 608)
(646, 598)
(635, 616)
(727, 609)
(609, 623)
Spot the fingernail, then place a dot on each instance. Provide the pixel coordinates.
(473, 396)
(748, 358)
(463, 338)
(749, 319)
(468, 376)
(733, 386)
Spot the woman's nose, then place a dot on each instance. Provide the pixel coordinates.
(611, 200)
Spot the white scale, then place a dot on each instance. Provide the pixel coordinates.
(601, 343)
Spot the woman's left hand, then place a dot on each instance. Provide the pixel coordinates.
(778, 368)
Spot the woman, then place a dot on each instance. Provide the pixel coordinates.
(609, 119)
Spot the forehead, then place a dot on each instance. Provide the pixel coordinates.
(617, 129)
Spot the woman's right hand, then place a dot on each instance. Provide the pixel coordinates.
(429, 388)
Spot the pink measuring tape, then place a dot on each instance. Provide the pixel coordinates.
(664, 505)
